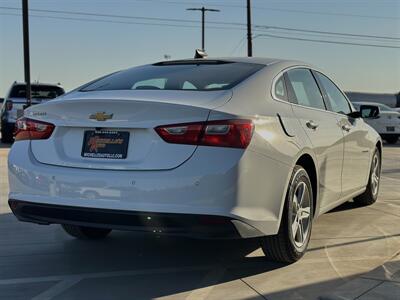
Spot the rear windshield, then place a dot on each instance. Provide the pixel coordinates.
(38, 91)
(179, 76)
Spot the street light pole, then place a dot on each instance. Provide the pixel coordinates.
(203, 13)
(25, 25)
(249, 34)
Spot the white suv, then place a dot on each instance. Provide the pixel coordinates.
(387, 123)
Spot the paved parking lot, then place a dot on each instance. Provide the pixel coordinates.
(41, 262)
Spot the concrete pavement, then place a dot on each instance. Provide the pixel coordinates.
(41, 262)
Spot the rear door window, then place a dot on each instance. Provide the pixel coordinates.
(304, 88)
(280, 89)
(337, 101)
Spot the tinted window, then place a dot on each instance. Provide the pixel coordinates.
(280, 89)
(338, 102)
(366, 112)
(38, 91)
(150, 84)
(202, 76)
(305, 89)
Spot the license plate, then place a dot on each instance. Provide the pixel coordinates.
(105, 144)
(390, 128)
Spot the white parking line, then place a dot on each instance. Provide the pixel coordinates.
(101, 275)
(57, 289)
(207, 284)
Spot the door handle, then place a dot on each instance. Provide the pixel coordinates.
(346, 127)
(312, 125)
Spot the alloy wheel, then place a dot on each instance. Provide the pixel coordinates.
(375, 174)
(301, 214)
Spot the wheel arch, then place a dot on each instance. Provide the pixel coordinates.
(307, 162)
(379, 146)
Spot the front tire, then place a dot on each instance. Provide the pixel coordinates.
(86, 233)
(291, 242)
(371, 193)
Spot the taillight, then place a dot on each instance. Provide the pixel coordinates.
(9, 105)
(224, 133)
(28, 129)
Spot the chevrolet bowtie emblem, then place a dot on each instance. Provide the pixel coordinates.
(101, 116)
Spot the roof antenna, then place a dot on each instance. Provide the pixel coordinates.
(199, 53)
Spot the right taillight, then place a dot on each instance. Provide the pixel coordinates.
(9, 105)
(28, 129)
(236, 133)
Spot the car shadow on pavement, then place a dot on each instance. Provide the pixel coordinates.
(345, 206)
(125, 263)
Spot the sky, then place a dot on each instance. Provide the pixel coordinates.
(75, 48)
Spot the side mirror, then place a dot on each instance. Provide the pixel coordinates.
(1, 100)
(355, 114)
(369, 111)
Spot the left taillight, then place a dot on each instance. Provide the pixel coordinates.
(236, 133)
(28, 129)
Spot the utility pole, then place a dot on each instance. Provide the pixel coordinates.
(25, 26)
(203, 12)
(249, 34)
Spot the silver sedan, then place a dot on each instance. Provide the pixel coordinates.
(217, 147)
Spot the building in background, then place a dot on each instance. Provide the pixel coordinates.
(392, 100)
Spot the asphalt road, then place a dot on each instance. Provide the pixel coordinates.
(41, 262)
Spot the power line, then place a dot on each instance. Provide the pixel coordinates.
(278, 9)
(259, 27)
(203, 18)
(324, 41)
(241, 42)
(330, 32)
(117, 22)
(321, 35)
(101, 15)
(215, 27)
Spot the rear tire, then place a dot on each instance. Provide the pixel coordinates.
(86, 233)
(291, 242)
(392, 139)
(371, 193)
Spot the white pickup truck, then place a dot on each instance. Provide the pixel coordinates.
(15, 100)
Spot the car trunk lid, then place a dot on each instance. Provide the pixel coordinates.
(134, 114)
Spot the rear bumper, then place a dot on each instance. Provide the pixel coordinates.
(248, 188)
(201, 226)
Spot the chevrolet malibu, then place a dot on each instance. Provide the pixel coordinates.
(216, 148)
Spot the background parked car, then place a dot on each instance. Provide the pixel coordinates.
(387, 123)
(13, 104)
